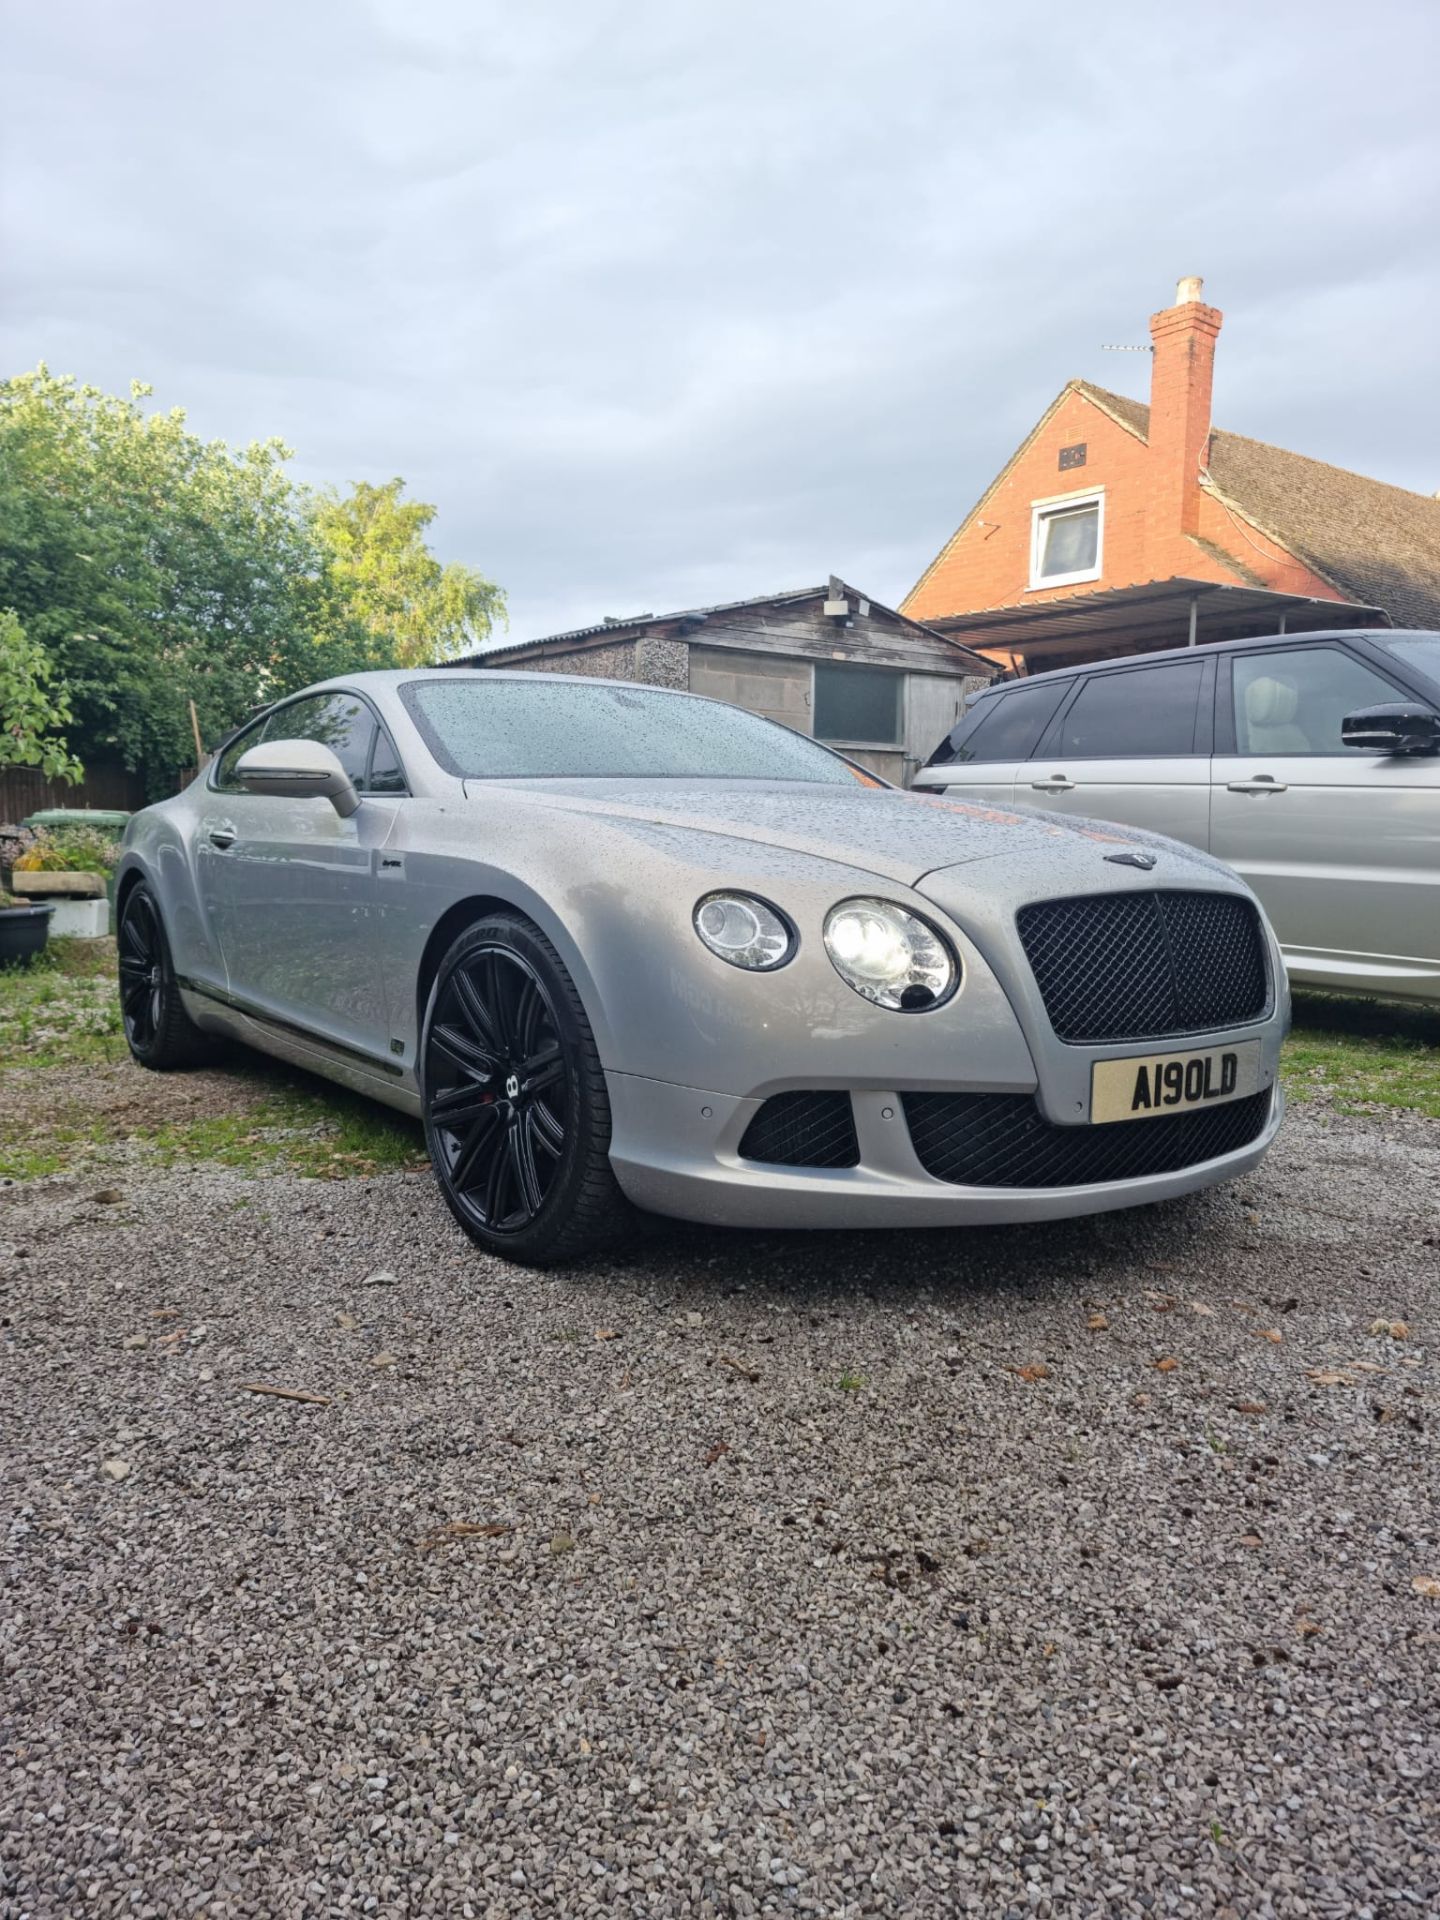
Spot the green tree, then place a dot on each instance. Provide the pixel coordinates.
(385, 576)
(33, 708)
(152, 568)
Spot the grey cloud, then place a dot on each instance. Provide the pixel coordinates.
(665, 304)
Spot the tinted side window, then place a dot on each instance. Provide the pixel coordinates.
(1293, 701)
(1009, 725)
(1134, 715)
(225, 772)
(386, 773)
(337, 720)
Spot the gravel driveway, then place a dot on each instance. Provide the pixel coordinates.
(1088, 1569)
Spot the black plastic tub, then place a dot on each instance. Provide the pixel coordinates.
(23, 932)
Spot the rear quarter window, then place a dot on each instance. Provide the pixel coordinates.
(1003, 726)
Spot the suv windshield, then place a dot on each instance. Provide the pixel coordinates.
(1419, 651)
(485, 728)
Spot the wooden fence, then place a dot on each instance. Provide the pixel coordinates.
(24, 791)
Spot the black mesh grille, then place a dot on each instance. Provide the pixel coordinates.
(1139, 966)
(1002, 1140)
(803, 1130)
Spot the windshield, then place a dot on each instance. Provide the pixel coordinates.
(1419, 651)
(485, 728)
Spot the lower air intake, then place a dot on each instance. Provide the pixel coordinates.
(803, 1130)
(1002, 1140)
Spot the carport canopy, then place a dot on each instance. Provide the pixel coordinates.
(1144, 619)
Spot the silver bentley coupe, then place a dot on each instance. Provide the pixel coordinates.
(622, 948)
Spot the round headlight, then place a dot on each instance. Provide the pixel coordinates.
(889, 955)
(744, 931)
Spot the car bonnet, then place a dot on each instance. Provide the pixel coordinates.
(900, 836)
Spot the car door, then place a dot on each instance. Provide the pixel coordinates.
(293, 886)
(979, 758)
(1340, 845)
(1132, 745)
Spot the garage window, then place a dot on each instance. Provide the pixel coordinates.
(857, 705)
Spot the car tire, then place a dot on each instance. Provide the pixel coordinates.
(517, 1118)
(158, 1031)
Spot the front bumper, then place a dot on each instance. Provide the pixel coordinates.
(675, 1152)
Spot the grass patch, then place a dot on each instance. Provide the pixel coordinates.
(278, 1124)
(1364, 1053)
(62, 1009)
(330, 1136)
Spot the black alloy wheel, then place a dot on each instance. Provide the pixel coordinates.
(159, 1032)
(516, 1116)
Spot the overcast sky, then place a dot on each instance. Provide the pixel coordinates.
(669, 303)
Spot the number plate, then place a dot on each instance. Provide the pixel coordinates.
(1149, 1085)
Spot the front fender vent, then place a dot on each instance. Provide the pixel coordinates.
(806, 1129)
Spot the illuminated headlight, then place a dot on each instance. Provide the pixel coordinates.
(744, 931)
(892, 957)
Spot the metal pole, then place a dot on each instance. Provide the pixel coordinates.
(1283, 618)
(1194, 614)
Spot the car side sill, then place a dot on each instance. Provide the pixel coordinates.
(320, 1042)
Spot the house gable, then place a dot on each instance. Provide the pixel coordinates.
(986, 562)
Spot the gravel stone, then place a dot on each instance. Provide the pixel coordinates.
(965, 1639)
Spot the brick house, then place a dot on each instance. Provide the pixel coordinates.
(1117, 527)
(825, 660)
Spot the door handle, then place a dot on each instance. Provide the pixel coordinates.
(1262, 783)
(1057, 783)
(222, 837)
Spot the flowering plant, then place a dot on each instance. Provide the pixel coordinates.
(76, 849)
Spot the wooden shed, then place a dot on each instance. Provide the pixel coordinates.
(826, 660)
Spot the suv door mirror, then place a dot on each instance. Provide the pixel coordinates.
(1400, 726)
(298, 770)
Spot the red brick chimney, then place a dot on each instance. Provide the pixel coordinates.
(1180, 383)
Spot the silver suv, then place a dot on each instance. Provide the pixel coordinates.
(1310, 763)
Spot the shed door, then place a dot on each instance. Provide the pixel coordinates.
(932, 706)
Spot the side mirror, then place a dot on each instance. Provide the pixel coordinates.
(1401, 726)
(298, 770)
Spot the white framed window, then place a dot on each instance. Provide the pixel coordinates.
(1067, 539)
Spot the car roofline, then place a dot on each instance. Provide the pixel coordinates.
(1201, 649)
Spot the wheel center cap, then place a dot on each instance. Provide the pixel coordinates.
(512, 1087)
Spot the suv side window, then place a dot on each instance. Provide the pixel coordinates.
(1293, 700)
(1007, 726)
(340, 721)
(1139, 714)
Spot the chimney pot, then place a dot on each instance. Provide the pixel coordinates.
(1188, 289)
